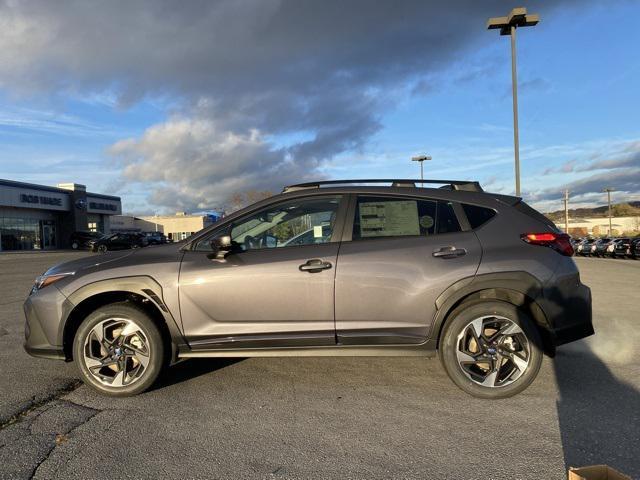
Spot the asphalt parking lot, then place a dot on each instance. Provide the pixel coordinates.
(326, 417)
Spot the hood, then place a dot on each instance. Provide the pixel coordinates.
(90, 261)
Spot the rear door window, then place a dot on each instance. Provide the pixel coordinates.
(377, 217)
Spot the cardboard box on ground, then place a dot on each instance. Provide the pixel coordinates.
(596, 472)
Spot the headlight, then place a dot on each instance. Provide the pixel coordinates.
(45, 280)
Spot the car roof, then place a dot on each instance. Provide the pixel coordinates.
(483, 198)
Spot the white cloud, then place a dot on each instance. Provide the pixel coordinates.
(238, 73)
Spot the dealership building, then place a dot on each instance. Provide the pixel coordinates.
(39, 217)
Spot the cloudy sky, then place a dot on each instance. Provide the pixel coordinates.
(178, 105)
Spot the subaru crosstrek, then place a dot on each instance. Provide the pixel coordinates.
(334, 268)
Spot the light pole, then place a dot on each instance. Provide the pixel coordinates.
(609, 190)
(566, 211)
(421, 159)
(507, 25)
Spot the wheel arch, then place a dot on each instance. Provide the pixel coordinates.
(143, 291)
(520, 289)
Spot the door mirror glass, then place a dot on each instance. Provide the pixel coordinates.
(221, 242)
(220, 246)
(270, 241)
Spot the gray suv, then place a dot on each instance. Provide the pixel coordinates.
(334, 268)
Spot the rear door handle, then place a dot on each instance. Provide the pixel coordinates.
(449, 252)
(314, 265)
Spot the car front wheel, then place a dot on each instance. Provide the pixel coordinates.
(491, 349)
(119, 350)
(102, 249)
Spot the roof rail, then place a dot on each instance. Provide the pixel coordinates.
(395, 182)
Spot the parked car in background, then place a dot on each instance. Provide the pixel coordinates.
(574, 243)
(118, 241)
(599, 249)
(80, 240)
(621, 247)
(635, 248)
(481, 279)
(609, 249)
(155, 238)
(585, 247)
(579, 245)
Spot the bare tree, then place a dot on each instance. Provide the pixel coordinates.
(242, 199)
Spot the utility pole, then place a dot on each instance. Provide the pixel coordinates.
(609, 190)
(517, 18)
(566, 211)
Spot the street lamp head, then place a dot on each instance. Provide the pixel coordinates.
(517, 18)
(421, 158)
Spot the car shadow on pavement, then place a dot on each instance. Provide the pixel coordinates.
(598, 415)
(190, 369)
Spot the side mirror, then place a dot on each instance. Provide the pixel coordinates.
(221, 246)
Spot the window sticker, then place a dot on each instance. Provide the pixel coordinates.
(317, 231)
(426, 221)
(386, 219)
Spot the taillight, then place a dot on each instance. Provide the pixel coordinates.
(560, 242)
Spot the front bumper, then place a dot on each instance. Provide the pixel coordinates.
(43, 337)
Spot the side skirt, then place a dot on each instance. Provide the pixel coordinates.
(332, 351)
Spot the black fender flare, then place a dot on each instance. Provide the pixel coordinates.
(518, 287)
(143, 286)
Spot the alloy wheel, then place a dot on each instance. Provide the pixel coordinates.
(116, 352)
(493, 351)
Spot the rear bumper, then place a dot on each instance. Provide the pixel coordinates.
(567, 308)
(572, 333)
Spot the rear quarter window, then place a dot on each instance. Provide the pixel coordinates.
(477, 216)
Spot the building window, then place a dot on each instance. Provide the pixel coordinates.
(93, 226)
(178, 236)
(19, 233)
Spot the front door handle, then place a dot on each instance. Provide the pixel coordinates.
(449, 252)
(314, 265)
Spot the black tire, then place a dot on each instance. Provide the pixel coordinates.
(153, 338)
(102, 249)
(75, 245)
(459, 321)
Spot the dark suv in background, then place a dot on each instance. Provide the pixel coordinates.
(327, 268)
(80, 240)
(155, 238)
(117, 241)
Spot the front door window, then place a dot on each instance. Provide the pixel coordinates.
(293, 223)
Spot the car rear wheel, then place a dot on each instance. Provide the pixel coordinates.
(119, 350)
(491, 349)
(75, 245)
